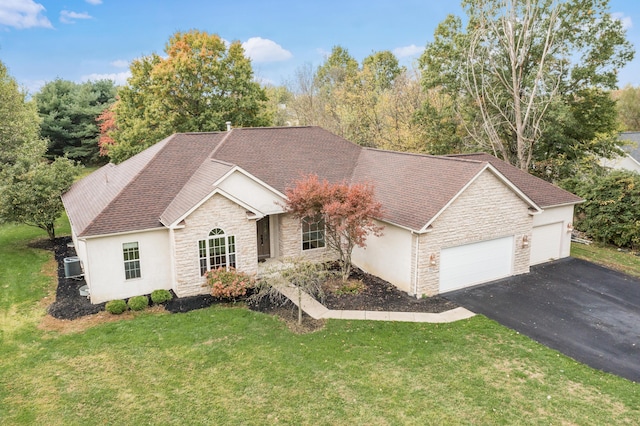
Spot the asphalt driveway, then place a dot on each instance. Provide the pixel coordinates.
(585, 311)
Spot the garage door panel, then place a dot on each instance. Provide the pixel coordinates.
(471, 264)
(546, 241)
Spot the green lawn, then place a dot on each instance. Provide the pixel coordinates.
(228, 365)
(610, 257)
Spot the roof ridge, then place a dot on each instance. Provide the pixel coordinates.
(275, 127)
(417, 154)
(221, 143)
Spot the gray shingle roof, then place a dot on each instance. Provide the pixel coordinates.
(156, 187)
(413, 188)
(632, 140)
(541, 192)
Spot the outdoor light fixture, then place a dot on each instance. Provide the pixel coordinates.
(569, 227)
(525, 241)
(432, 259)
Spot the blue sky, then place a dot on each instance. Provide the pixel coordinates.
(77, 40)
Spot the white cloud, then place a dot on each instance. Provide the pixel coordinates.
(626, 20)
(120, 63)
(94, 2)
(31, 86)
(411, 50)
(264, 50)
(23, 14)
(119, 78)
(68, 17)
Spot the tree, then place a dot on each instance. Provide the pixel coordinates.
(199, 85)
(31, 192)
(371, 105)
(107, 124)
(69, 111)
(304, 103)
(611, 211)
(307, 277)
(348, 213)
(628, 103)
(336, 82)
(580, 130)
(19, 131)
(30, 188)
(278, 100)
(517, 60)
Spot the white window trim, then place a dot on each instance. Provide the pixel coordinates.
(324, 235)
(228, 256)
(135, 262)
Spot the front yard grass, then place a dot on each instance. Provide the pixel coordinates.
(610, 257)
(229, 365)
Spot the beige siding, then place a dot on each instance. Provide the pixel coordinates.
(290, 241)
(388, 256)
(562, 215)
(487, 209)
(106, 276)
(217, 212)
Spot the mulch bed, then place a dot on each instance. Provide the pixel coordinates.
(377, 294)
(69, 304)
(380, 295)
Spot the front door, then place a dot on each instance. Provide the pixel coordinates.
(264, 245)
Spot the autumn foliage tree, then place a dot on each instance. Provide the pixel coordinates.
(106, 124)
(348, 212)
(198, 85)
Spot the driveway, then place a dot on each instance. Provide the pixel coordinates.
(583, 310)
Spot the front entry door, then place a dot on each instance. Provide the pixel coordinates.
(264, 246)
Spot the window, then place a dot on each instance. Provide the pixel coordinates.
(217, 251)
(312, 232)
(131, 260)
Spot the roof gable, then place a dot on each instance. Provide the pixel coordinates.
(541, 192)
(488, 168)
(199, 186)
(413, 188)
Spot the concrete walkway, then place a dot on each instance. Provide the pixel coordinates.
(316, 310)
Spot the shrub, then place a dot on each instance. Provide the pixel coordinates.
(350, 287)
(138, 303)
(611, 209)
(161, 296)
(307, 277)
(116, 307)
(228, 283)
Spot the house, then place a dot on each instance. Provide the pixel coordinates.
(196, 201)
(630, 143)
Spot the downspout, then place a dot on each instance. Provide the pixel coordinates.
(172, 244)
(415, 271)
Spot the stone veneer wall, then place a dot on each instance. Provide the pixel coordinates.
(486, 210)
(290, 241)
(217, 212)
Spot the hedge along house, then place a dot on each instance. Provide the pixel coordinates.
(197, 201)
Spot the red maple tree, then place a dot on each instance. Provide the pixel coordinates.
(348, 212)
(107, 123)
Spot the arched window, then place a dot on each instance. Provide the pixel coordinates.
(217, 251)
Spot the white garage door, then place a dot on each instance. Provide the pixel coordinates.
(476, 263)
(545, 243)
